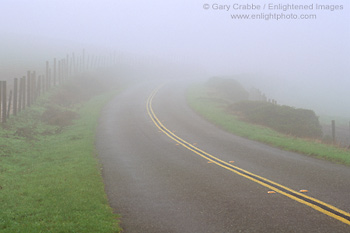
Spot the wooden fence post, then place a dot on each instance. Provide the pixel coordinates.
(67, 65)
(59, 73)
(9, 105)
(24, 93)
(47, 69)
(20, 95)
(83, 61)
(70, 67)
(15, 94)
(43, 84)
(34, 92)
(92, 61)
(54, 76)
(28, 88)
(88, 62)
(39, 86)
(48, 81)
(31, 88)
(73, 64)
(0, 99)
(80, 64)
(4, 103)
(65, 69)
(333, 131)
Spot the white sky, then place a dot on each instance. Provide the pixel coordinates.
(307, 61)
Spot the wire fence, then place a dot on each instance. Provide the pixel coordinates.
(21, 93)
(338, 134)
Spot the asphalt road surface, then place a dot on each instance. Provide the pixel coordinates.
(159, 182)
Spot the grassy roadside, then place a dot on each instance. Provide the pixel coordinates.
(215, 111)
(50, 177)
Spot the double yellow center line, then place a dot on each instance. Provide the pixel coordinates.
(299, 197)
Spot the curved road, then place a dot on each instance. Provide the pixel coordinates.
(158, 185)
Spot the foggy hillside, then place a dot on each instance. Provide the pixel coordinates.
(299, 62)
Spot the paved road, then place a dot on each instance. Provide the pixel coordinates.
(158, 185)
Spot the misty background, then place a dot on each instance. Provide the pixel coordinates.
(301, 63)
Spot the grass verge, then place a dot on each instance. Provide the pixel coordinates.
(50, 178)
(215, 111)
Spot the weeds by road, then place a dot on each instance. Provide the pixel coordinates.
(50, 177)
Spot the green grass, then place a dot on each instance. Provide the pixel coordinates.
(50, 178)
(215, 111)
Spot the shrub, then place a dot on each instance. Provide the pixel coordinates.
(284, 119)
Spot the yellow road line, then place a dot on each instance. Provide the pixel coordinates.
(297, 196)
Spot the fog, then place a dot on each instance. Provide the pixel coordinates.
(299, 62)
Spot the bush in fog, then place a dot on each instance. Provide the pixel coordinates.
(228, 89)
(284, 119)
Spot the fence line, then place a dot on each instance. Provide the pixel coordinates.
(27, 89)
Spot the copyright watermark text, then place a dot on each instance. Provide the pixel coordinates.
(272, 11)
